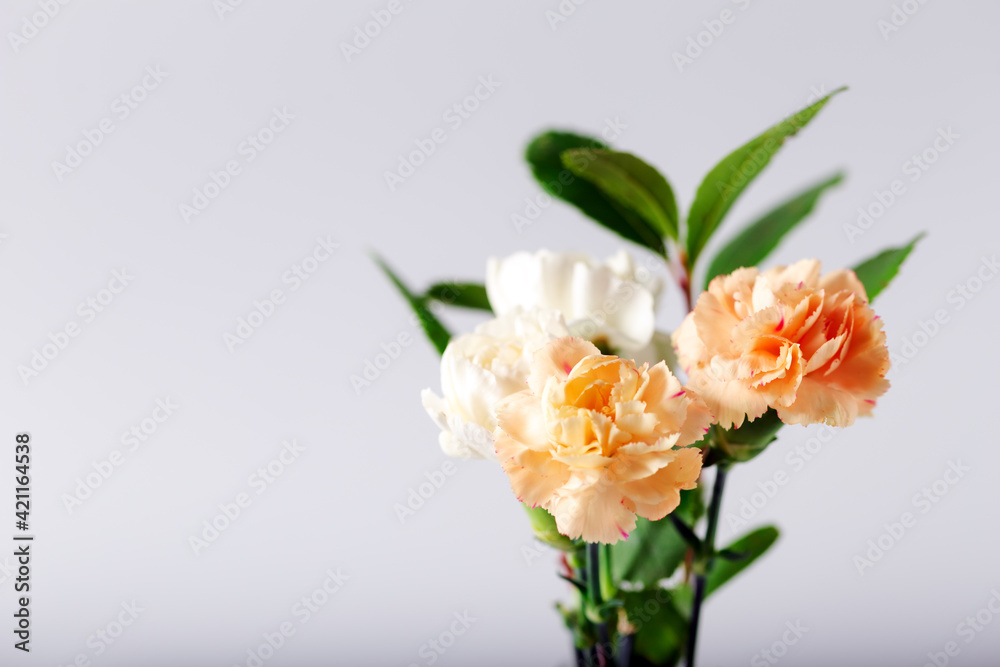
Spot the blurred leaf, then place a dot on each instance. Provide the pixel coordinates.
(661, 630)
(632, 183)
(438, 335)
(758, 239)
(753, 545)
(465, 295)
(544, 156)
(652, 552)
(877, 272)
(728, 179)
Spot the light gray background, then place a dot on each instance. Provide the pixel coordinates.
(468, 548)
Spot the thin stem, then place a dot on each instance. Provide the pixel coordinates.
(596, 600)
(709, 554)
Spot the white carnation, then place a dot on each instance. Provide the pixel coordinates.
(481, 368)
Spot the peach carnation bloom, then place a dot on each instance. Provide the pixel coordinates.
(596, 440)
(808, 346)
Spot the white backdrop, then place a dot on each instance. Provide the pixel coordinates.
(260, 111)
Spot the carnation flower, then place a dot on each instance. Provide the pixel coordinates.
(604, 303)
(596, 440)
(810, 347)
(479, 369)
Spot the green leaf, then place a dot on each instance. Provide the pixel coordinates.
(652, 552)
(661, 629)
(630, 182)
(728, 179)
(465, 295)
(544, 156)
(877, 272)
(753, 545)
(758, 239)
(436, 333)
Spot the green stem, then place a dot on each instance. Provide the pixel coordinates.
(708, 554)
(596, 601)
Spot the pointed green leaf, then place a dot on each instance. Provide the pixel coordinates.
(652, 552)
(877, 272)
(544, 156)
(632, 183)
(465, 295)
(758, 239)
(753, 545)
(728, 179)
(436, 333)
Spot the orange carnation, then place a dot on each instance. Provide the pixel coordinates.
(808, 346)
(596, 440)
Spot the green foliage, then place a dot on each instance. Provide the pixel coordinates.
(436, 332)
(630, 182)
(758, 239)
(751, 546)
(544, 155)
(464, 295)
(661, 628)
(877, 272)
(652, 552)
(728, 179)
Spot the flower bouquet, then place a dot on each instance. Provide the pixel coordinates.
(575, 394)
